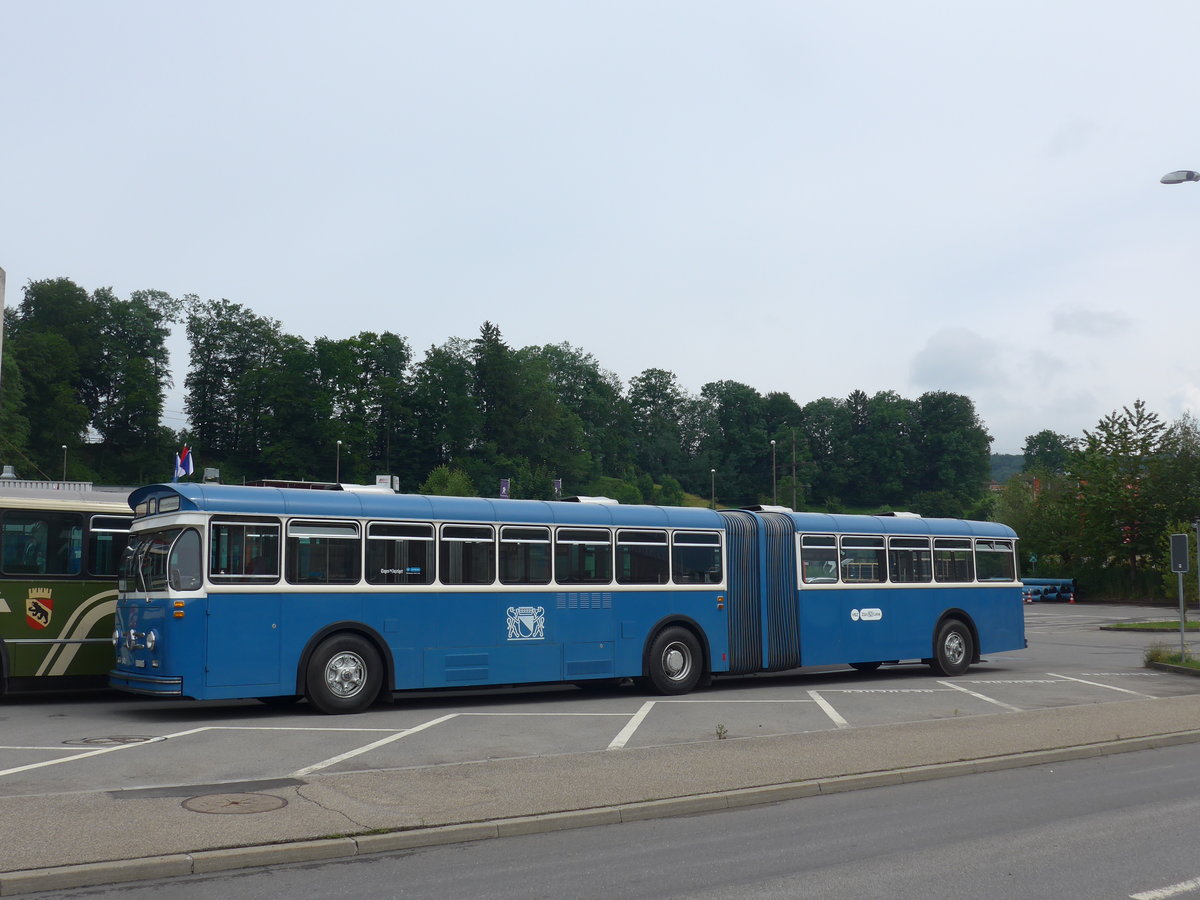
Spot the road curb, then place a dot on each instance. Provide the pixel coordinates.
(1171, 667)
(211, 861)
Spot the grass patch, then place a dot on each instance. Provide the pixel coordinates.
(1162, 653)
(1153, 626)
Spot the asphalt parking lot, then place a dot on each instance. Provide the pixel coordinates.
(132, 746)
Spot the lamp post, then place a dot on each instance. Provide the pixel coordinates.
(713, 488)
(774, 488)
(64, 448)
(1179, 176)
(337, 471)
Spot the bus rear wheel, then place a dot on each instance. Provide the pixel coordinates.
(675, 662)
(344, 675)
(953, 649)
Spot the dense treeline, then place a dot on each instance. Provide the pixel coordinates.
(1100, 508)
(89, 372)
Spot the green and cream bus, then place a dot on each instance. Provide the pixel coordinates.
(60, 551)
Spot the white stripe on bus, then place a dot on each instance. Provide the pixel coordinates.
(80, 623)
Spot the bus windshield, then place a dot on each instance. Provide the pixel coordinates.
(157, 560)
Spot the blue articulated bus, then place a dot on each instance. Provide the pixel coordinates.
(344, 596)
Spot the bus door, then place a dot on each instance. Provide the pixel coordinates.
(244, 624)
(583, 605)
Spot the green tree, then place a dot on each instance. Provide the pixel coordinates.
(56, 415)
(594, 396)
(297, 436)
(826, 432)
(881, 453)
(1117, 469)
(497, 391)
(1048, 451)
(14, 425)
(235, 355)
(656, 406)
(445, 420)
(551, 441)
(1044, 511)
(131, 387)
(55, 338)
(445, 481)
(1178, 469)
(951, 455)
(735, 441)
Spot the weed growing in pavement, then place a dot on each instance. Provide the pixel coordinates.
(1166, 653)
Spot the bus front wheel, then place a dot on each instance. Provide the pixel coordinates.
(953, 649)
(344, 675)
(674, 665)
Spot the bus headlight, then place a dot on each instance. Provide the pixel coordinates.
(151, 640)
(116, 636)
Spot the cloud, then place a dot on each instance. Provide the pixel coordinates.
(956, 359)
(1095, 323)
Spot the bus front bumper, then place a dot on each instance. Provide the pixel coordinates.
(153, 685)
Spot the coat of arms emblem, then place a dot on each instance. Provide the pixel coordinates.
(39, 607)
(526, 623)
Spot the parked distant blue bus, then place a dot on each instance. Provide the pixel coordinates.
(344, 596)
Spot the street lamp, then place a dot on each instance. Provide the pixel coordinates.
(64, 462)
(337, 472)
(774, 489)
(713, 474)
(1179, 176)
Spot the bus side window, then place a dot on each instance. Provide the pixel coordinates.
(320, 552)
(42, 543)
(244, 550)
(953, 560)
(994, 561)
(467, 554)
(818, 559)
(583, 556)
(643, 557)
(696, 557)
(400, 553)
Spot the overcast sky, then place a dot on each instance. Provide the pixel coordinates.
(811, 197)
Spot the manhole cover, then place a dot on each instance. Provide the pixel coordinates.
(112, 740)
(234, 804)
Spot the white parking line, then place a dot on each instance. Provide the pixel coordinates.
(688, 700)
(350, 754)
(833, 714)
(54, 762)
(631, 726)
(1109, 686)
(1174, 890)
(537, 715)
(978, 696)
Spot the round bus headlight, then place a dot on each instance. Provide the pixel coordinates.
(116, 636)
(151, 640)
